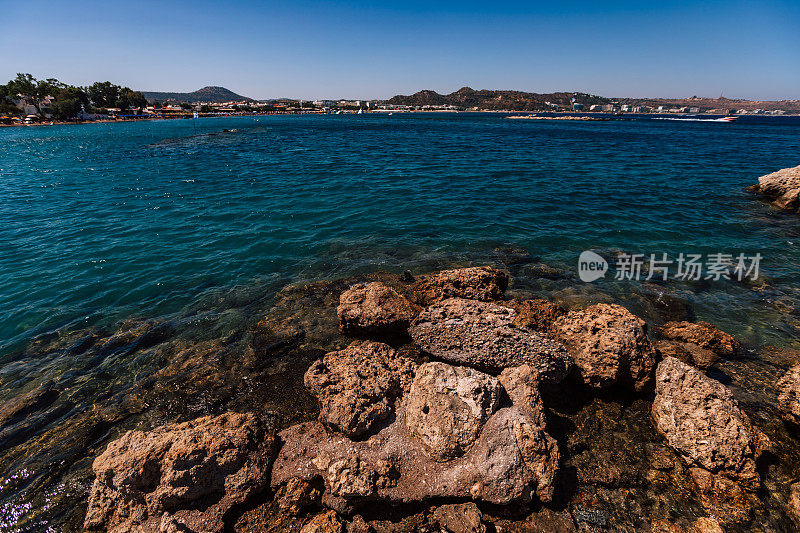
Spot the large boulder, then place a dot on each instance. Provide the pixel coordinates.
(609, 345)
(187, 475)
(473, 283)
(447, 407)
(789, 395)
(483, 335)
(512, 460)
(702, 422)
(702, 336)
(356, 387)
(374, 308)
(782, 188)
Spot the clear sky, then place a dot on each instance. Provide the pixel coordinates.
(329, 49)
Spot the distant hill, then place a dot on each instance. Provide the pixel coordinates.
(495, 100)
(206, 94)
(523, 101)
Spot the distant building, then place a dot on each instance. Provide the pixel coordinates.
(694, 110)
(596, 107)
(625, 107)
(577, 107)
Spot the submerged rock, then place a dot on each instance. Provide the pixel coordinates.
(473, 283)
(789, 395)
(189, 474)
(691, 354)
(535, 314)
(702, 421)
(374, 308)
(609, 345)
(782, 188)
(703, 336)
(447, 407)
(356, 387)
(483, 335)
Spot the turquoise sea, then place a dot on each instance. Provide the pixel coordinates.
(204, 220)
(105, 221)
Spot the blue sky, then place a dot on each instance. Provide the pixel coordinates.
(326, 49)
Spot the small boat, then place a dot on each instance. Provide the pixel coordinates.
(726, 119)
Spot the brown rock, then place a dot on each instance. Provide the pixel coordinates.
(794, 502)
(474, 283)
(609, 346)
(357, 386)
(512, 459)
(722, 497)
(702, 335)
(703, 423)
(374, 308)
(447, 407)
(296, 495)
(782, 187)
(788, 200)
(706, 524)
(327, 522)
(789, 395)
(535, 314)
(193, 472)
(691, 354)
(459, 518)
(483, 335)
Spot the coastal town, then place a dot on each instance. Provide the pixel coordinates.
(28, 101)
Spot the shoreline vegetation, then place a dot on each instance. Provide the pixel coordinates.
(28, 101)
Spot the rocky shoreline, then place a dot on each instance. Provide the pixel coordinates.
(781, 188)
(452, 407)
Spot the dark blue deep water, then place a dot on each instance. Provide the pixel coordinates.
(137, 259)
(101, 222)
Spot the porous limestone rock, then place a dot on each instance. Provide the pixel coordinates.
(537, 314)
(512, 460)
(459, 518)
(357, 386)
(483, 335)
(447, 407)
(187, 475)
(374, 308)
(327, 522)
(781, 187)
(473, 283)
(789, 395)
(609, 345)
(702, 422)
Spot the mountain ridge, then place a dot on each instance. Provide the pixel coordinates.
(211, 94)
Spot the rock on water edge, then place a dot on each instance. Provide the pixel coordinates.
(374, 308)
(510, 460)
(356, 387)
(483, 335)
(609, 345)
(702, 421)
(185, 475)
(782, 188)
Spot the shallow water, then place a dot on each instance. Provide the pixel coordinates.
(196, 229)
